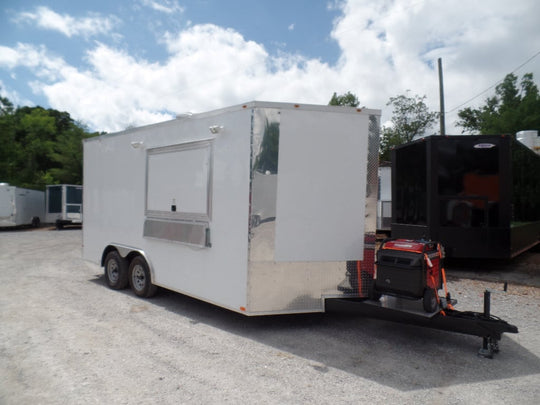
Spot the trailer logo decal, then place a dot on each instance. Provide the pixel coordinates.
(484, 146)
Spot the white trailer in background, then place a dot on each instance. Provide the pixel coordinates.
(63, 205)
(256, 208)
(384, 201)
(21, 206)
(530, 139)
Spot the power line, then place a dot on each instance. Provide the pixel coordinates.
(495, 84)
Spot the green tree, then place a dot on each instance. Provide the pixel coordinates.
(39, 146)
(347, 99)
(6, 106)
(7, 140)
(513, 108)
(410, 117)
(67, 155)
(36, 133)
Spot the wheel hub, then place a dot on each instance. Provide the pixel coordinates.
(112, 271)
(139, 278)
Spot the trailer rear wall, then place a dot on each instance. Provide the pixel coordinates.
(21, 206)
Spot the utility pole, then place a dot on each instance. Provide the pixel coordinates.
(441, 95)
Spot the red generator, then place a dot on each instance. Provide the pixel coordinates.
(409, 269)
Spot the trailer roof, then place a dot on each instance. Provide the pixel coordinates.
(251, 105)
(452, 137)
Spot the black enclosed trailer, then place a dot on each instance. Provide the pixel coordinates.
(478, 195)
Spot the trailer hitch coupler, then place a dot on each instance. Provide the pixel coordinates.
(488, 344)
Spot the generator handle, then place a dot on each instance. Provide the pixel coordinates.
(385, 241)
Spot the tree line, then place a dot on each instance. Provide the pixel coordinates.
(44, 146)
(39, 146)
(514, 107)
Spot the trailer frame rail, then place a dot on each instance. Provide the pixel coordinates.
(490, 328)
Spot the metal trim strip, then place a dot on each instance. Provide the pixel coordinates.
(194, 234)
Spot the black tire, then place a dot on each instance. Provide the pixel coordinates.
(430, 300)
(140, 279)
(373, 293)
(35, 222)
(116, 271)
(59, 225)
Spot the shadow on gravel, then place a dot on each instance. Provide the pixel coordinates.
(523, 269)
(75, 227)
(400, 356)
(30, 228)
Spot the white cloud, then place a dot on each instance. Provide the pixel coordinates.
(164, 6)
(387, 48)
(92, 25)
(36, 58)
(291, 27)
(13, 97)
(9, 57)
(119, 90)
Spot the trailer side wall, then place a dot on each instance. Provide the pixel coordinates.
(116, 205)
(21, 206)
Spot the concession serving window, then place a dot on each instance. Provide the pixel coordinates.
(178, 192)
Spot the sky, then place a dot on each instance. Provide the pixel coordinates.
(116, 64)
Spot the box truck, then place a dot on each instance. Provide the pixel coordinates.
(260, 208)
(63, 204)
(477, 195)
(21, 206)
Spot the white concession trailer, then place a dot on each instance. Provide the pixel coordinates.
(259, 208)
(63, 204)
(21, 206)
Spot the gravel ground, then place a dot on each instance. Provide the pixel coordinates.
(67, 339)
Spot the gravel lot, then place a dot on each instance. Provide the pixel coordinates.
(67, 339)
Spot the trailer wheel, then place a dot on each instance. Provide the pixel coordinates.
(116, 271)
(139, 278)
(35, 222)
(430, 300)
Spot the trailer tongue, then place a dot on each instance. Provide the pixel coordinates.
(408, 276)
(481, 324)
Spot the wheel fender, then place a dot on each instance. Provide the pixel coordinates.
(126, 251)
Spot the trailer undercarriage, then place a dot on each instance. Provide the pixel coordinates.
(482, 324)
